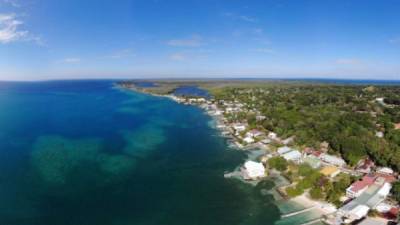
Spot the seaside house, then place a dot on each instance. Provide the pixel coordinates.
(294, 156)
(365, 166)
(253, 170)
(272, 135)
(218, 112)
(334, 160)
(330, 171)
(248, 140)
(254, 133)
(358, 187)
(385, 170)
(239, 127)
(266, 141)
(357, 213)
(288, 141)
(283, 150)
(313, 161)
(369, 199)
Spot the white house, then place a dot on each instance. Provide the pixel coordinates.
(379, 134)
(357, 213)
(332, 160)
(272, 135)
(218, 112)
(260, 118)
(283, 150)
(266, 141)
(239, 127)
(358, 187)
(253, 170)
(385, 170)
(293, 156)
(248, 140)
(254, 133)
(385, 190)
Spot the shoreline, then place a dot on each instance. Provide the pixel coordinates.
(319, 209)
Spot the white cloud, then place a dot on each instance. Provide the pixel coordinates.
(194, 41)
(13, 3)
(71, 60)
(178, 57)
(235, 16)
(394, 41)
(264, 50)
(258, 31)
(248, 19)
(348, 61)
(124, 53)
(10, 29)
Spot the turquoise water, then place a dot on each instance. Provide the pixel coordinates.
(83, 153)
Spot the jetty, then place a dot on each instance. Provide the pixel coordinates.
(298, 212)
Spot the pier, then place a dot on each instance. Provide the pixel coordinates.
(298, 212)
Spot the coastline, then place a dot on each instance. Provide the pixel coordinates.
(253, 151)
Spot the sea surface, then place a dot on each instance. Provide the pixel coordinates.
(87, 153)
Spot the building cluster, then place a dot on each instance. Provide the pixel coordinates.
(366, 194)
(369, 193)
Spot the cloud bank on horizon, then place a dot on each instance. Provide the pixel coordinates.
(71, 39)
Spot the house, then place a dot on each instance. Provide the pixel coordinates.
(358, 187)
(248, 140)
(379, 134)
(218, 112)
(293, 156)
(324, 146)
(380, 101)
(253, 170)
(288, 141)
(260, 118)
(357, 213)
(385, 170)
(283, 150)
(272, 135)
(330, 171)
(266, 141)
(239, 127)
(365, 166)
(397, 126)
(254, 133)
(332, 160)
(313, 161)
(371, 198)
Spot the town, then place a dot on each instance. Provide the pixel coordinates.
(361, 192)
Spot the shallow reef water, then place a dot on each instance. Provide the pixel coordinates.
(87, 153)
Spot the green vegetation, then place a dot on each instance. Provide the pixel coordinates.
(319, 186)
(278, 163)
(396, 191)
(347, 117)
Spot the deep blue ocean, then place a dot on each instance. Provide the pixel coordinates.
(86, 153)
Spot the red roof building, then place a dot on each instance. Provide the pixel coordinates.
(358, 187)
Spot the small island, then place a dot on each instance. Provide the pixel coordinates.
(337, 146)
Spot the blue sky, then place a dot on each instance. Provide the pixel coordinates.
(69, 39)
